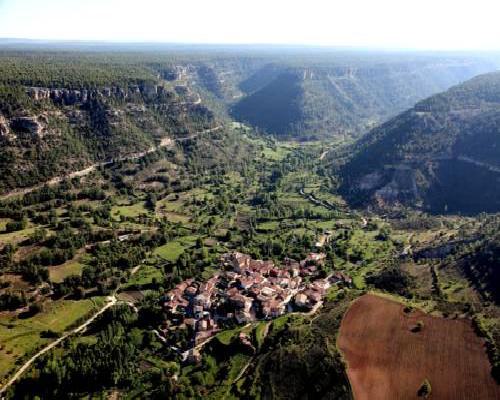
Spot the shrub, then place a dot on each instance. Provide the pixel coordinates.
(418, 326)
(425, 389)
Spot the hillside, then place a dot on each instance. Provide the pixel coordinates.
(477, 257)
(343, 97)
(442, 154)
(59, 115)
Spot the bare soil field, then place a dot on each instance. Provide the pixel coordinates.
(388, 359)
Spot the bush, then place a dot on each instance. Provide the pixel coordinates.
(425, 390)
(393, 279)
(16, 225)
(49, 334)
(418, 326)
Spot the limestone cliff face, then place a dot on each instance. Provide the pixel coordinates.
(71, 96)
(5, 131)
(391, 185)
(443, 154)
(401, 187)
(33, 126)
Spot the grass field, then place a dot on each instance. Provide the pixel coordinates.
(21, 336)
(145, 276)
(57, 273)
(176, 217)
(15, 237)
(169, 204)
(225, 337)
(268, 226)
(131, 211)
(170, 251)
(260, 331)
(388, 358)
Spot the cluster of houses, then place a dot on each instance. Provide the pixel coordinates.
(246, 290)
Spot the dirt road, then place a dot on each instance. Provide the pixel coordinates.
(81, 328)
(165, 142)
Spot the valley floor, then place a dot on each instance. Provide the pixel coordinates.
(167, 224)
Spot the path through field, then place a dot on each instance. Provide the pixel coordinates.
(111, 302)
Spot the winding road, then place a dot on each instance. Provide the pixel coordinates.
(165, 142)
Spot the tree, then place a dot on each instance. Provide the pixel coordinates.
(425, 389)
(418, 326)
(393, 279)
(39, 235)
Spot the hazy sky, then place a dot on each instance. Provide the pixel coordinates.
(424, 24)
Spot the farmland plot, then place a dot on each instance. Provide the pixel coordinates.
(390, 351)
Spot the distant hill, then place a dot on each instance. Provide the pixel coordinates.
(338, 97)
(443, 154)
(64, 111)
(60, 113)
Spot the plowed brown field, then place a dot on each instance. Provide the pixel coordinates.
(386, 360)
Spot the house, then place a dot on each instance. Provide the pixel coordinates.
(202, 300)
(190, 291)
(238, 261)
(338, 277)
(240, 301)
(314, 296)
(245, 283)
(193, 356)
(122, 238)
(202, 325)
(190, 322)
(198, 312)
(244, 339)
(301, 300)
(315, 257)
(267, 291)
(242, 316)
(272, 309)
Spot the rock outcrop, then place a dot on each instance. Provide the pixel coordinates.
(401, 187)
(72, 96)
(5, 131)
(28, 125)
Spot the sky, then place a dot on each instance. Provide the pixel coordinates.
(402, 24)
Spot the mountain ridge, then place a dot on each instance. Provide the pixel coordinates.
(341, 100)
(434, 153)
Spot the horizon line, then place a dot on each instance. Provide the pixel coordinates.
(20, 40)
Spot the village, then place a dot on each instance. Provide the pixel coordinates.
(247, 290)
